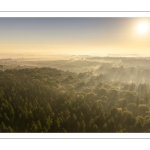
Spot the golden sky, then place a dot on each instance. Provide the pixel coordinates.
(48, 36)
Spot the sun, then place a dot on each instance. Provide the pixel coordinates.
(142, 27)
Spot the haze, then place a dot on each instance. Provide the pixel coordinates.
(75, 75)
(22, 37)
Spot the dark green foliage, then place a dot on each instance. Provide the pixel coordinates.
(50, 100)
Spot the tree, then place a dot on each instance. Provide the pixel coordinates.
(130, 97)
(132, 107)
(111, 125)
(3, 127)
(48, 123)
(137, 101)
(105, 128)
(147, 123)
(113, 95)
(128, 118)
(142, 109)
(113, 111)
(100, 92)
(146, 98)
(139, 123)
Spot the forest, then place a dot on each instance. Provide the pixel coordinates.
(98, 95)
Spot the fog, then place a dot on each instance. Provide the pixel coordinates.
(125, 68)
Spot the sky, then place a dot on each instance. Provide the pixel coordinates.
(50, 36)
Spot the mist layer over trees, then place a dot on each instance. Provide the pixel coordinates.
(90, 94)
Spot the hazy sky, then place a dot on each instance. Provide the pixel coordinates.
(48, 36)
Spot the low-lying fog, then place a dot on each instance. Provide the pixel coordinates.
(124, 68)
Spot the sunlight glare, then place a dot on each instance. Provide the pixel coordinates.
(142, 27)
